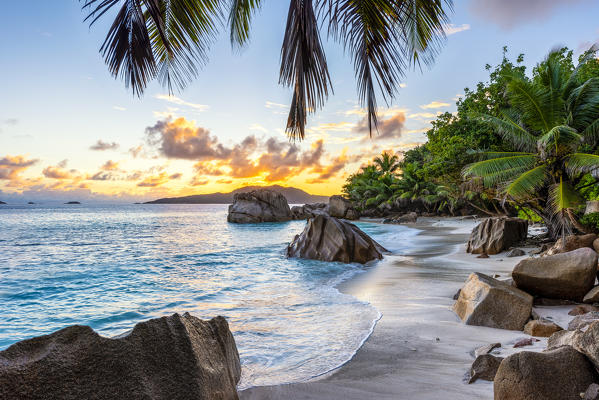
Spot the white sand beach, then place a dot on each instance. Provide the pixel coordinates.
(419, 349)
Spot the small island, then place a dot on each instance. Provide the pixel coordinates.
(30, 202)
(72, 202)
(1, 202)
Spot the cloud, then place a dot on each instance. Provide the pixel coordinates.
(100, 145)
(136, 151)
(119, 108)
(279, 106)
(196, 181)
(181, 139)
(174, 176)
(12, 166)
(110, 166)
(389, 128)
(510, 13)
(11, 121)
(434, 104)
(181, 102)
(153, 181)
(336, 166)
(452, 29)
(59, 171)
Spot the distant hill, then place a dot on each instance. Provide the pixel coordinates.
(293, 196)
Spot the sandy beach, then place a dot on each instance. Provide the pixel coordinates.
(419, 349)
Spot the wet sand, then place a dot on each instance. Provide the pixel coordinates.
(419, 348)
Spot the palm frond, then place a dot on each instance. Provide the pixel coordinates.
(127, 49)
(531, 101)
(528, 183)
(510, 129)
(560, 135)
(190, 28)
(303, 65)
(583, 104)
(240, 16)
(497, 165)
(582, 163)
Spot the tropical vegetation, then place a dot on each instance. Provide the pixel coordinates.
(169, 40)
(518, 144)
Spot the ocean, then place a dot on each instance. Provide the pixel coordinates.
(111, 266)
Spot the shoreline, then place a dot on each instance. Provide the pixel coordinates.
(419, 349)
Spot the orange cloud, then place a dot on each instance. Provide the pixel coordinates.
(12, 166)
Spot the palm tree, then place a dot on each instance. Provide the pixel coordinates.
(169, 40)
(552, 119)
(387, 162)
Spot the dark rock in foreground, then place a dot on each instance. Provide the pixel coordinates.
(260, 205)
(176, 357)
(562, 276)
(494, 235)
(330, 239)
(561, 374)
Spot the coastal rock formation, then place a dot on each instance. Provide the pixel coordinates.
(541, 328)
(309, 210)
(494, 235)
(485, 301)
(562, 276)
(562, 374)
(582, 321)
(260, 205)
(340, 207)
(596, 245)
(592, 296)
(572, 242)
(176, 357)
(408, 218)
(484, 367)
(330, 239)
(560, 338)
(515, 253)
(585, 342)
(592, 392)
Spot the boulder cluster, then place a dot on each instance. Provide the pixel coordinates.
(265, 205)
(565, 273)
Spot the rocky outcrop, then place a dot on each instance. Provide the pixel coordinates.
(260, 205)
(583, 320)
(592, 296)
(340, 207)
(330, 239)
(485, 301)
(585, 342)
(562, 276)
(561, 374)
(572, 242)
(515, 253)
(541, 328)
(484, 367)
(494, 235)
(408, 218)
(309, 210)
(176, 357)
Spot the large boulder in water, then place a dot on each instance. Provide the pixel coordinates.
(330, 239)
(176, 357)
(562, 276)
(261, 205)
(340, 207)
(494, 235)
(309, 210)
(485, 301)
(560, 374)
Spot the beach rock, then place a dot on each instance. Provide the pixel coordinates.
(592, 207)
(582, 309)
(587, 342)
(339, 207)
(592, 296)
(261, 205)
(543, 301)
(592, 392)
(485, 301)
(493, 235)
(562, 374)
(484, 367)
(564, 276)
(330, 239)
(409, 218)
(298, 212)
(484, 255)
(457, 294)
(561, 338)
(515, 253)
(582, 321)
(596, 245)
(573, 242)
(176, 357)
(525, 342)
(486, 349)
(541, 328)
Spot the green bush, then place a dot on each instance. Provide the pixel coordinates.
(591, 220)
(528, 214)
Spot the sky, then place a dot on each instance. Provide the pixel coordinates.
(70, 131)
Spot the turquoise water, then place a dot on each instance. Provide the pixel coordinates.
(112, 266)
